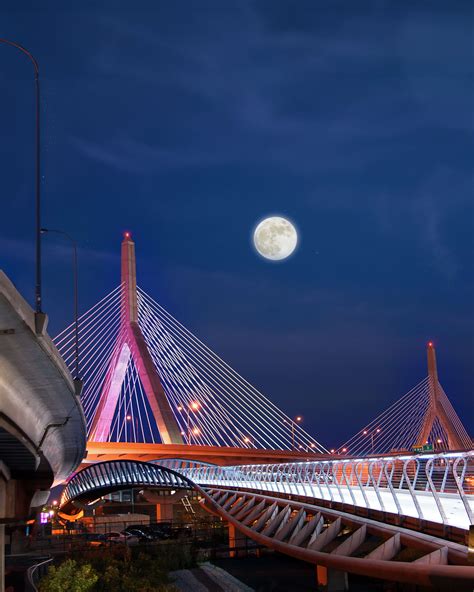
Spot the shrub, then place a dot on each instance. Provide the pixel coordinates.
(69, 577)
(119, 569)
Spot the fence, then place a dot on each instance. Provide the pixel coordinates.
(434, 487)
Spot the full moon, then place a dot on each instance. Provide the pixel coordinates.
(275, 238)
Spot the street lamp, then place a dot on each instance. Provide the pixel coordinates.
(40, 317)
(129, 418)
(193, 406)
(127, 435)
(298, 419)
(372, 435)
(77, 379)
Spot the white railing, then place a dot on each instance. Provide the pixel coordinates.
(434, 487)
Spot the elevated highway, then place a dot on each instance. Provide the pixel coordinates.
(42, 426)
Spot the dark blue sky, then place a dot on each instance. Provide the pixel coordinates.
(187, 122)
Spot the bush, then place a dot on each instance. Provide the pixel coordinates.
(118, 569)
(69, 577)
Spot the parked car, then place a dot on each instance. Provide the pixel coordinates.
(140, 532)
(160, 531)
(121, 537)
(92, 539)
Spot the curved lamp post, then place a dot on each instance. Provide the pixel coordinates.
(40, 317)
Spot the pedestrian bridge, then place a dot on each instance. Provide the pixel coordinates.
(312, 510)
(437, 488)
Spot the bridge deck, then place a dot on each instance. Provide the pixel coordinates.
(220, 455)
(452, 504)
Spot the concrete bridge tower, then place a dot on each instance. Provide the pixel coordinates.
(131, 347)
(436, 409)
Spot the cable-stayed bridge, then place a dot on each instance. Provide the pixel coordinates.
(149, 381)
(153, 391)
(423, 417)
(152, 388)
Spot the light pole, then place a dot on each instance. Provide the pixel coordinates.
(372, 436)
(127, 436)
(77, 378)
(193, 406)
(294, 422)
(40, 317)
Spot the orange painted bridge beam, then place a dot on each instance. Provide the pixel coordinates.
(220, 455)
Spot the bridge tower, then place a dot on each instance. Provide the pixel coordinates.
(423, 416)
(131, 345)
(436, 409)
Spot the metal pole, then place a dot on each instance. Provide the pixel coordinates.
(76, 312)
(38, 301)
(189, 428)
(76, 296)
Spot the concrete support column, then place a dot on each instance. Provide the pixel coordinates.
(164, 503)
(164, 511)
(330, 580)
(237, 542)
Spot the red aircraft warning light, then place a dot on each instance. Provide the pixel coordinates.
(127, 234)
(430, 344)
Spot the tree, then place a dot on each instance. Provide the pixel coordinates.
(69, 577)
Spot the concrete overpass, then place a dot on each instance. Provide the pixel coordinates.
(42, 426)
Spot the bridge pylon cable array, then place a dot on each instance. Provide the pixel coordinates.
(148, 379)
(423, 419)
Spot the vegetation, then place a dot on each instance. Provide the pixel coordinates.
(121, 569)
(69, 576)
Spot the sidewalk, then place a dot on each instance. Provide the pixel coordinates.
(207, 578)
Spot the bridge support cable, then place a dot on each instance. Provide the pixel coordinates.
(99, 330)
(230, 410)
(423, 419)
(148, 379)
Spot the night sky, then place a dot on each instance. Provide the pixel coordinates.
(188, 122)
